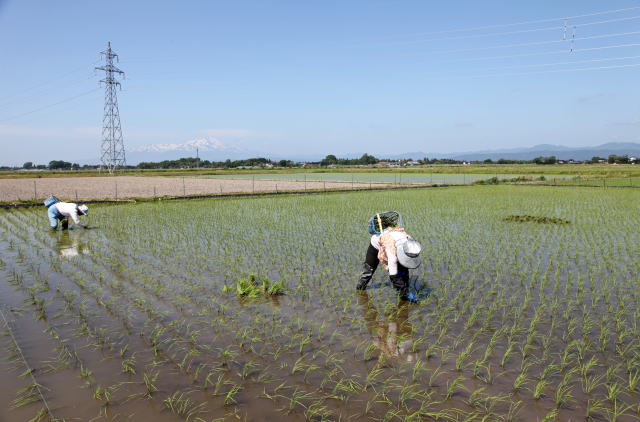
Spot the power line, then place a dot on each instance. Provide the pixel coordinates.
(607, 21)
(564, 18)
(542, 53)
(504, 33)
(582, 69)
(27, 99)
(545, 64)
(50, 105)
(534, 43)
(11, 98)
(532, 22)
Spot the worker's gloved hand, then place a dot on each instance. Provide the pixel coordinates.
(401, 284)
(410, 297)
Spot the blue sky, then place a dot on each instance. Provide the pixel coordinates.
(290, 77)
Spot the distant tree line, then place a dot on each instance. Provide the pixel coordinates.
(426, 160)
(188, 162)
(329, 160)
(63, 165)
(506, 161)
(618, 159)
(191, 162)
(54, 165)
(545, 160)
(364, 160)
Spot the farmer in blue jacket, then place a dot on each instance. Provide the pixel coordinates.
(60, 212)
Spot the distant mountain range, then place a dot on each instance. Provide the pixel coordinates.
(545, 150)
(215, 150)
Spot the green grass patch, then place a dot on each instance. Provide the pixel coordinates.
(535, 219)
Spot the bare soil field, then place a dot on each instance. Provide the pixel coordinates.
(121, 187)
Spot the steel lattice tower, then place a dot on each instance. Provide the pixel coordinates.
(112, 151)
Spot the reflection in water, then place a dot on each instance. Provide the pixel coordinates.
(392, 335)
(70, 244)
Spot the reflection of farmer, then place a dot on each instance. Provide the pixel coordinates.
(70, 245)
(393, 335)
(397, 251)
(62, 211)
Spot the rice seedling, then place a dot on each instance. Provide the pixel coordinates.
(464, 354)
(230, 396)
(593, 408)
(31, 393)
(128, 366)
(454, 385)
(247, 368)
(150, 380)
(538, 390)
(250, 287)
(617, 410)
(475, 398)
(180, 404)
(633, 380)
(551, 416)
(590, 383)
(519, 382)
(563, 394)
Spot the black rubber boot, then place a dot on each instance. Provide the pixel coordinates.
(365, 277)
(403, 273)
(397, 281)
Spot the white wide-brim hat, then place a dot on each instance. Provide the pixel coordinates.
(408, 251)
(83, 209)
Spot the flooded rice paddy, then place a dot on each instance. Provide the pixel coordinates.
(137, 318)
(361, 177)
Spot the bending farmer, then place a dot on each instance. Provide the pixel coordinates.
(61, 212)
(397, 251)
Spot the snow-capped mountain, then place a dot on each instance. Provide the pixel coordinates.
(208, 148)
(201, 144)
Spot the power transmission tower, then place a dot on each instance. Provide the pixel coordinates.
(112, 151)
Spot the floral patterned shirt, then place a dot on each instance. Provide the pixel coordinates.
(387, 253)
